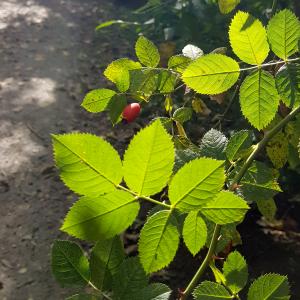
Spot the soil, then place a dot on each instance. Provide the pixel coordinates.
(50, 57)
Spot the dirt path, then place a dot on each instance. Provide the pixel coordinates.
(48, 54)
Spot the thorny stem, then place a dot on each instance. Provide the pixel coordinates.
(236, 180)
(144, 197)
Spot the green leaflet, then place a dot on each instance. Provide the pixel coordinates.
(69, 265)
(115, 108)
(277, 150)
(118, 72)
(166, 81)
(235, 271)
(184, 156)
(182, 114)
(159, 240)
(239, 142)
(144, 82)
(226, 208)
(213, 144)
(227, 6)
(211, 74)
(178, 63)
(284, 33)
(129, 280)
(259, 98)
(106, 257)
(102, 217)
(149, 159)
(288, 84)
(208, 290)
(267, 208)
(196, 183)
(82, 162)
(154, 291)
(270, 287)
(194, 232)
(248, 38)
(147, 52)
(259, 182)
(97, 100)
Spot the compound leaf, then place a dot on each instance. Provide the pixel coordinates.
(147, 52)
(70, 267)
(97, 100)
(259, 98)
(159, 240)
(283, 33)
(226, 208)
(288, 84)
(213, 144)
(196, 183)
(208, 290)
(82, 161)
(118, 72)
(102, 217)
(129, 280)
(194, 232)
(248, 38)
(235, 271)
(211, 74)
(270, 287)
(106, 257)
(149, 159)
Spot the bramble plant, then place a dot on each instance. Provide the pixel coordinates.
(200, 193)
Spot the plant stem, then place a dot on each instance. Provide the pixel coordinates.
(236, 180)
(144, 197)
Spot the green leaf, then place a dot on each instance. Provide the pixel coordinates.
(211, 74)
(183, 114)
(82, 162)
(270, 287)
(208, 290)
(196, 183)
(159, 240)
(166, 81)
(113, 22)
(118, 72)
(235, 271)
(219, 277)
(259, 183)
(194, 232)
(143, 82)
(69, 265)
(248, 38)
(239, 141)
(84, 297)
(106, 257)
(97, 100)
(226, 208)
(149, 159)
(192, 52)
(154, 291)
(147, 52)
(277, 150)
(213, 144)
(284, 33)
(227, 6)
(288, 84)
(129, 280)
(259, 98)
(115, 108)
(102, 217)
(178, 63)
(267, 208)
(184, 156)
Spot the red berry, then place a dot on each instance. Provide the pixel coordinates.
(131, 111)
